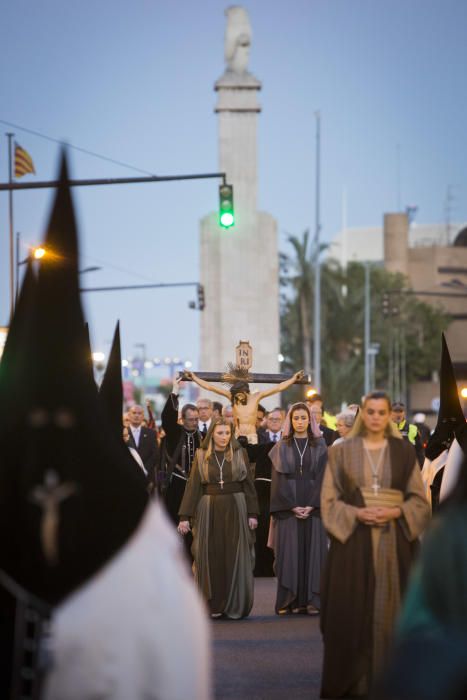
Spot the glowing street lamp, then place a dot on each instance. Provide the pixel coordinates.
(39, 253)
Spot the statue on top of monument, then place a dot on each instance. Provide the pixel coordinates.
(244, 404)
(238, 37)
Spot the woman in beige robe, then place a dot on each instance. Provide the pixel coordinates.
(374, 509)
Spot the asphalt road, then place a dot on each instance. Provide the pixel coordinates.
(267, 657)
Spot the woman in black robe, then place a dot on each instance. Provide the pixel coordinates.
(297, 534)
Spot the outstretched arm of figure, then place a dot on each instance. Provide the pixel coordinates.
(206, 385)
(282, 386)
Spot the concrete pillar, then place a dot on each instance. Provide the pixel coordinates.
(239, 266)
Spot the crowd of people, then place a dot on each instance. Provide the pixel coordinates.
(333, 506)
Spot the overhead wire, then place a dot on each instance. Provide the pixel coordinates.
(77, 148)
(95, 155)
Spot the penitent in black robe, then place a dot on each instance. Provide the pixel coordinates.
(259, 456)
(300, 546)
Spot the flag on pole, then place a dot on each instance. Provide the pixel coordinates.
(23, 162)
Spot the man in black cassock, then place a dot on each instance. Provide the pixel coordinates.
(180, 444)
(259, 457)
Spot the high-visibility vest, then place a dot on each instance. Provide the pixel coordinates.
(408, 430)
(331, 421)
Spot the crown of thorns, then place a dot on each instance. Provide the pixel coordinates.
(234, 374)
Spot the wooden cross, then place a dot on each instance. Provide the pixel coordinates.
(244, 360)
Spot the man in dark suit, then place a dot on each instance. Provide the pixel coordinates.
(274, 422)
(204, 407)
(144, 440)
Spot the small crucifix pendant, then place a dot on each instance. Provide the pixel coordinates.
(221, 482)
(375, 487)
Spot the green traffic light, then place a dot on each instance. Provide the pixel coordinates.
(226, 206)
(227, 219)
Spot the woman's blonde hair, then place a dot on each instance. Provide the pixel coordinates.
(359, 426)
(210, 447)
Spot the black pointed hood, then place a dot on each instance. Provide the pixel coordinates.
(111, 389)
(17, 342)
(72, 496)
(450, 409)
(450, 415)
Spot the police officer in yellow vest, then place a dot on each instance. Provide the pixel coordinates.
(409, 431)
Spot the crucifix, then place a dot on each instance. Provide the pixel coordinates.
(48, 496)
(238, 378)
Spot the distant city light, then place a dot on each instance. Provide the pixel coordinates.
(148, 364)
(98, 356)
(280, 357)
(125, 363)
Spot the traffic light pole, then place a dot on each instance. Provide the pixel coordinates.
(123, 287)
(10, 186)
(160, 285)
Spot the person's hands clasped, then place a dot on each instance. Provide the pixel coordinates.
(379, 515)
(184, 527)
(252, 523)
(384, 515)
(302, 512)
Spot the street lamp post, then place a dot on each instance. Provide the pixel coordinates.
(37, 253)
(317, 294)
(367, 322)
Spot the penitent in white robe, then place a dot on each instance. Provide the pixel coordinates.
(137, 629)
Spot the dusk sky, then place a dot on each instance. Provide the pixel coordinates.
(133, 81)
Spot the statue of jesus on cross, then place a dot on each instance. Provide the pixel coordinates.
(244, 403)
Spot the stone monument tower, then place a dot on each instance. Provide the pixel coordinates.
(239, 266)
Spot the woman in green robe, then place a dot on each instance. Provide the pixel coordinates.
(221, 508)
